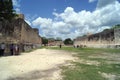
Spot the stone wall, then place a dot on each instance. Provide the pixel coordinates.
(117, 36)
(19, 32)
(107, 38)
(29, 35)
(55, 43)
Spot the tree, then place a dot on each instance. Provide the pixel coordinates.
(44, 40)
(116, 26)
(68, 41)
(6, 10)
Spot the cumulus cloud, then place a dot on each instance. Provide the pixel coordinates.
(43, 22)
(103, 3)
(72, 24)
(16, 4)
(17, 10)
(28, 22)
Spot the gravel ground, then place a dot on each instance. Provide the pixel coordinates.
(41, 64)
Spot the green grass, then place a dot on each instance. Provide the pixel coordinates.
(90, 50)
(84, 71)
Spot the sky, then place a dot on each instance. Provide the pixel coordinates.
(69, 18)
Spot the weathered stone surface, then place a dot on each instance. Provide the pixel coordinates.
(55, 43)
(19, 32)
(106, 39)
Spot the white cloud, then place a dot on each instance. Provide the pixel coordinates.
(103, 3)
(72, 24)
(16, 4)
(28, 22)
(17, 10)
(43, 22)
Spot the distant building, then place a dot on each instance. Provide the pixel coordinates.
(55, 43)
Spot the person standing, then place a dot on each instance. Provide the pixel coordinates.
(16, 50)
(60, 45)
(2, 49)
(11, 49)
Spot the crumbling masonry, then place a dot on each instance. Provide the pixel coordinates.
(106, 39)
(19, 32)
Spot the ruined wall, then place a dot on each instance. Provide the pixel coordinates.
(55, 43)
(107, 38)
(117, 36)
(29, 35)
(19, 32)
(10, 31)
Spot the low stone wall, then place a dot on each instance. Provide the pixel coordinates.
(115, 46)
(20, 33)
(105, 39)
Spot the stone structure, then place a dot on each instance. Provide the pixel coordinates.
(55, 43)
(19, 32)
(106, 39)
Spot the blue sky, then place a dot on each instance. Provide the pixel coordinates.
(69, 18)
(45, 8)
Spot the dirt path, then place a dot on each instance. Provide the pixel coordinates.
(41, 64)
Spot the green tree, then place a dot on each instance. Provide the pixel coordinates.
(68, 41)
(44, 40)
(116, 26)
(6, 10)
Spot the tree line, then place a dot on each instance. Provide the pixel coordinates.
(67, 41)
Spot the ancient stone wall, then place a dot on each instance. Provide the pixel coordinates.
(55, 43)
(117, 36)
(107, 38)
(29, 35)
(19, 32)
(6, 31)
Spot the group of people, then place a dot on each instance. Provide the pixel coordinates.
(14, 49)
(79, 46)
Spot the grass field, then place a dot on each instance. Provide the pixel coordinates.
(92, 64)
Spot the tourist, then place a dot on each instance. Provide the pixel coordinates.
(16, 50)
(60, 45)
(77, 46)
(11, 49)
(2, 49)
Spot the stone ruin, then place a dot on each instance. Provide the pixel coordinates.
(19, 32)
(55, 43)
(109, 38)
